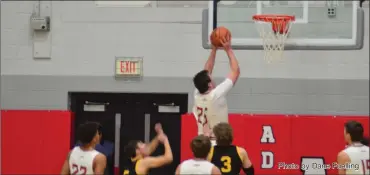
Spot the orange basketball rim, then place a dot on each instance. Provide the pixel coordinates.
(279, 22)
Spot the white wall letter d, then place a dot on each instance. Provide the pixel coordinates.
(267, 159)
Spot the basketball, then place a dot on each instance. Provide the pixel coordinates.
(218, 34)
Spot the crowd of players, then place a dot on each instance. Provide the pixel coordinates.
(212, 149)
(223, 158)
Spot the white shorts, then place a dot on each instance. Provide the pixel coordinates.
(213, 142)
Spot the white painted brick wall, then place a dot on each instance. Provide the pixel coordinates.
(85, 40)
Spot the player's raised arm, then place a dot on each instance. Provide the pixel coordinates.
(158, 161)
(223, 88)
(234, 65)
(342, 159)
(155, 142)
(211, 60)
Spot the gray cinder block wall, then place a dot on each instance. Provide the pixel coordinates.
(85, 40)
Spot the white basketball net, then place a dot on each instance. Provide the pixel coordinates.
(273, 42)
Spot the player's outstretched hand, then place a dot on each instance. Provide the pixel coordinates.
(226, 42)
(162, 138)
(158, 128)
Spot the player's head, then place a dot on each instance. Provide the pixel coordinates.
(203, 81)
(200, 146)
(88, 133)
(224, 134)
(353, 132)
(136, 148)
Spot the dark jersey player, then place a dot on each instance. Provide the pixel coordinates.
(230, 159)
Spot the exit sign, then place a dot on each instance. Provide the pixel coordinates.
(129, 67)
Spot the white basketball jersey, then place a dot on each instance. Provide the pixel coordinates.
(211, 108)
(81, 162)
(196, 167)
(359, 155)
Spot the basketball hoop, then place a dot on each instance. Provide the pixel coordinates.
(274, 30)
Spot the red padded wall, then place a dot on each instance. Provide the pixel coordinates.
(295, 137)
(34, 142)
(189, 130)
(37, 142)
(57, 136)
(280, 127)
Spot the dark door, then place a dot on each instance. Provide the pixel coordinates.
(138, 122)
(138, 114)
(171, 123)
(132, 127)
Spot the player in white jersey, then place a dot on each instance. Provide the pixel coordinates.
(210, 106)
(84, 159)
(355, 158)
(200, 146)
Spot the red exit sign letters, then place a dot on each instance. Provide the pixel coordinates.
(127, 67)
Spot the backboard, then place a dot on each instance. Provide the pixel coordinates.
(319, 25)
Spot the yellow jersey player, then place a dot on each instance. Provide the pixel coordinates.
(139, 154)
(229, 158)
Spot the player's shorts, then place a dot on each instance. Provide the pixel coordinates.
(213, 142)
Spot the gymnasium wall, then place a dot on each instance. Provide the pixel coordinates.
(85, 39)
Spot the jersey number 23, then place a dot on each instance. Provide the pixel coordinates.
(202, 115)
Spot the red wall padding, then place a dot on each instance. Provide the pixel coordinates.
(295, 137)
(34, 142)
(37, 142)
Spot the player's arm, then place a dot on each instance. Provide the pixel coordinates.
(155, 142)
(65, 168)
(342, 159)
(153, 145)
(234, 65)
(178, 170)
(215, 171)
(210, 154)
(211, 60)
(158, 161)
(223, 88)
(100, 163)
(247, 164)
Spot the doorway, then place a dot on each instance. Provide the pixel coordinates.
(131, 116)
